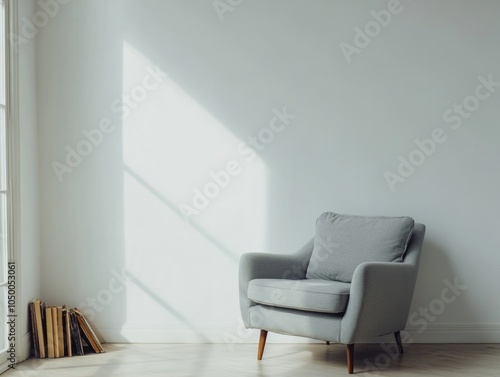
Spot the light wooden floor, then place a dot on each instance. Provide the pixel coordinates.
(290, 360)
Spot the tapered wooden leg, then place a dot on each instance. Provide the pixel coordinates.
(262, 344)
(397, 335)
(350, 358)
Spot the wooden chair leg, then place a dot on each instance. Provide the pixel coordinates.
(262, 344)
(350, 358)
(397, 335)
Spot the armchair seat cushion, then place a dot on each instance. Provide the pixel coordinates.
(314, 295)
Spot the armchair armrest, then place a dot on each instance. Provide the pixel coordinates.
(273, 266)
(379, 301)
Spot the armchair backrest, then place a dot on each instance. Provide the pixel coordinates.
(411, 256)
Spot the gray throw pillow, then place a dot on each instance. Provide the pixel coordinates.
(342, 242)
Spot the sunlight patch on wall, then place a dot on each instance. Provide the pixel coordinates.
(176, 155)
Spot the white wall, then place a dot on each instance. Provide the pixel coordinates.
(117, 210)
(29, 238)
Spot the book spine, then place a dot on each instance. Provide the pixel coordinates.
(60, 333)
(50, 334)
(55, 331)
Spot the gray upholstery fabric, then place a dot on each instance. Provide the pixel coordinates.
(275, 266)
(377, 305)
(379, 300)
(313, 295)
(343, 242)
(319, 326)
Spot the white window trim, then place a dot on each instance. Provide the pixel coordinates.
(3, 354)
(13, 160)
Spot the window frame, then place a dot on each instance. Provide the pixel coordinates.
(4, 191)
(12, 161)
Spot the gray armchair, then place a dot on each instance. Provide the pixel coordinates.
(285, 294)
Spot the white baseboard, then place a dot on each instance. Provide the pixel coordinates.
(236, 333)
(177, 333)
(24, 347)
(457, 333)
